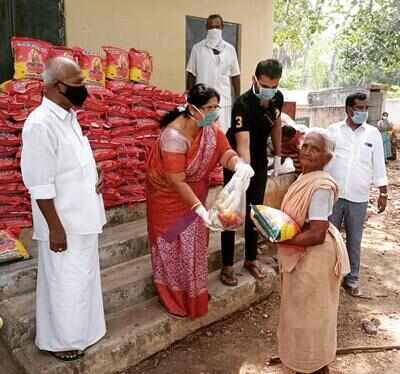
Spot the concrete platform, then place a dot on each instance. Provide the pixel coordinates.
(137, 325)
(128, 283)
(137, 332)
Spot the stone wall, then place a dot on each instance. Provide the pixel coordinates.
(319, 116)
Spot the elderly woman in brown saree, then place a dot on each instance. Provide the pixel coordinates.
(312, 264)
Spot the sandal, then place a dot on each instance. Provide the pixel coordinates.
(228, 277)
(68, 355)
(254, 270)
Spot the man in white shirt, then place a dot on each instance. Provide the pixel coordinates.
(358, 162)
(60, 172)
(214, 62)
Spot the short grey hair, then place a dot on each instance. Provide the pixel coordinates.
(330, 143)
(54, 70)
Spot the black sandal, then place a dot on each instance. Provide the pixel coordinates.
(228, 278)
(68, 355)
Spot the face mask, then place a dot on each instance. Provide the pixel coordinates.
(359, 118)
(75, 94)
(214, 37)
(209, 118)
(264, 93)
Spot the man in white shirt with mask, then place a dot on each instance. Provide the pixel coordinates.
(59, 170)
(214, 62)
(358, 162)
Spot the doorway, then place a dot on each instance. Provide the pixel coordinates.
(196, 31)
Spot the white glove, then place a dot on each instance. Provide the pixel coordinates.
(243, 170)
(277, 165)
(202, 212)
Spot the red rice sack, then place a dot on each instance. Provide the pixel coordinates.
(140, 66)
(9, 140)
(57, 51)
(109, 165)
(120, 87)
(93, 67)
(117, 61)
(30, 57)
(104, 154)
(22, 87)
(8, 164)
(7, 177)
(7, 152)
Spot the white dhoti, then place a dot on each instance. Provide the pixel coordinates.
(69, 300)
(225, 118)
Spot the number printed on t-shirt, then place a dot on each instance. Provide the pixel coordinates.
(238, 122)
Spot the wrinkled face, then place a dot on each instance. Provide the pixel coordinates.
(73, 76)
(214, 23)
(313, 155)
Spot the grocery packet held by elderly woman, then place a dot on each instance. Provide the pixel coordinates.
(312, 264)
(190, 146)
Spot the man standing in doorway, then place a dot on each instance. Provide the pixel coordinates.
(358, 162)
(214, 62)
(256, 115)
(59, 170)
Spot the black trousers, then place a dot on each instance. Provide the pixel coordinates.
(254, 195)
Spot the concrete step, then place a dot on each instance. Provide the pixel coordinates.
(125, 284)
(138, 332)
(117, 244)
(123, 239)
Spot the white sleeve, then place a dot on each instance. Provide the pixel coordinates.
(191, 66)
(378, 160)
(38, 162)
(321, 205)
(235, 69)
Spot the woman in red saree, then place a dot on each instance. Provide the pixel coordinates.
(190, 146)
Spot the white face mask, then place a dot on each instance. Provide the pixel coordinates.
(214, 37)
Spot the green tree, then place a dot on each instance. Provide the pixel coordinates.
(298, 25)
(369, 47)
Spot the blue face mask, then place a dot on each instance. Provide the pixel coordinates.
(209, 118)
(264, 93)
(359, 118)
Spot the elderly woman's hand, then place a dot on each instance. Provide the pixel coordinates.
(313, 233)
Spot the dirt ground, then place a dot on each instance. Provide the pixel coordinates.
(243, 343)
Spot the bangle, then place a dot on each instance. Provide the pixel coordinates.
(194, 206)
(383, 194)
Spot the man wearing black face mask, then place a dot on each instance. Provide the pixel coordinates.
(59, 170)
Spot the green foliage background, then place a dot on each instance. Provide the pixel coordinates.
(332, 43)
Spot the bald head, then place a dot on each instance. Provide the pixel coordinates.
(61, 69)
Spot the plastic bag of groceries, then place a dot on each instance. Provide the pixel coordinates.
(228, 212)
(273, 224)
(11, 249)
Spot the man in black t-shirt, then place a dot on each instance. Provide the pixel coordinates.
(255, 117)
